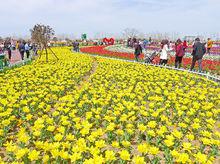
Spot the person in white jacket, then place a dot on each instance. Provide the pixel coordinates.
(164, 52)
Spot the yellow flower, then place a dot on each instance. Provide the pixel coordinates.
(174, 153)
(110, 127)
(55, 153)
(110, 155)
(182, 125)
(169, 142)
(26, 109)
(98, 159)
(124, 155)
(6, 122)
(190, 137)
(37, 133)
(89, 161)
(33, 155)
(202, 158)
(100, 144)
(195, 125)
(143, 148)
(70, 137)
(46, 158)
(51, 128)
(64, 155)
(94, 150)
(153, 150)
(23, 138)
(126, 143)
(142, 127)
(29, 117)
(187, 146)
(151, 133)
(206, 141)
(58, 137)
(61, 129)
(138, 160)
(183, 158)
(115, 144)
(1, 132)
(10, 146)
(20, 153)
(130, 131)
(152, 124)
(177, 134)
(75, 156)
(56, 113)
(120, 132)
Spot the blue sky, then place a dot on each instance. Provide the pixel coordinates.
(96, 17)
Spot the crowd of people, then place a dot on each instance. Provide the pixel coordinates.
(199, 49)
(23, 47)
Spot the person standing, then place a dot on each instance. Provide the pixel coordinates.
(150, 41)
(77, 46)
(9, 49)
(209, 46)
(129, 42)
(27, 49)
(180, 52)
(21, 49)
(74, 46)
(17, 45)
(137, 51)
(145, 43)
(164, 52)
(199, 51)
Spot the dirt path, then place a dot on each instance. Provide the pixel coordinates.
(88, 75)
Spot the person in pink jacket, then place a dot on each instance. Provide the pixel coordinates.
(180, 52)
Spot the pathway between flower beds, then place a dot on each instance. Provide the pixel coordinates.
(86, 78)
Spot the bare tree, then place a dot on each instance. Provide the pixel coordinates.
(41, 35)
(130, 33)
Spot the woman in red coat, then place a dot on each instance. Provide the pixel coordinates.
(180, 52)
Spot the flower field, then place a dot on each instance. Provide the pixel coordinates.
(91, 110)
(210, 63)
